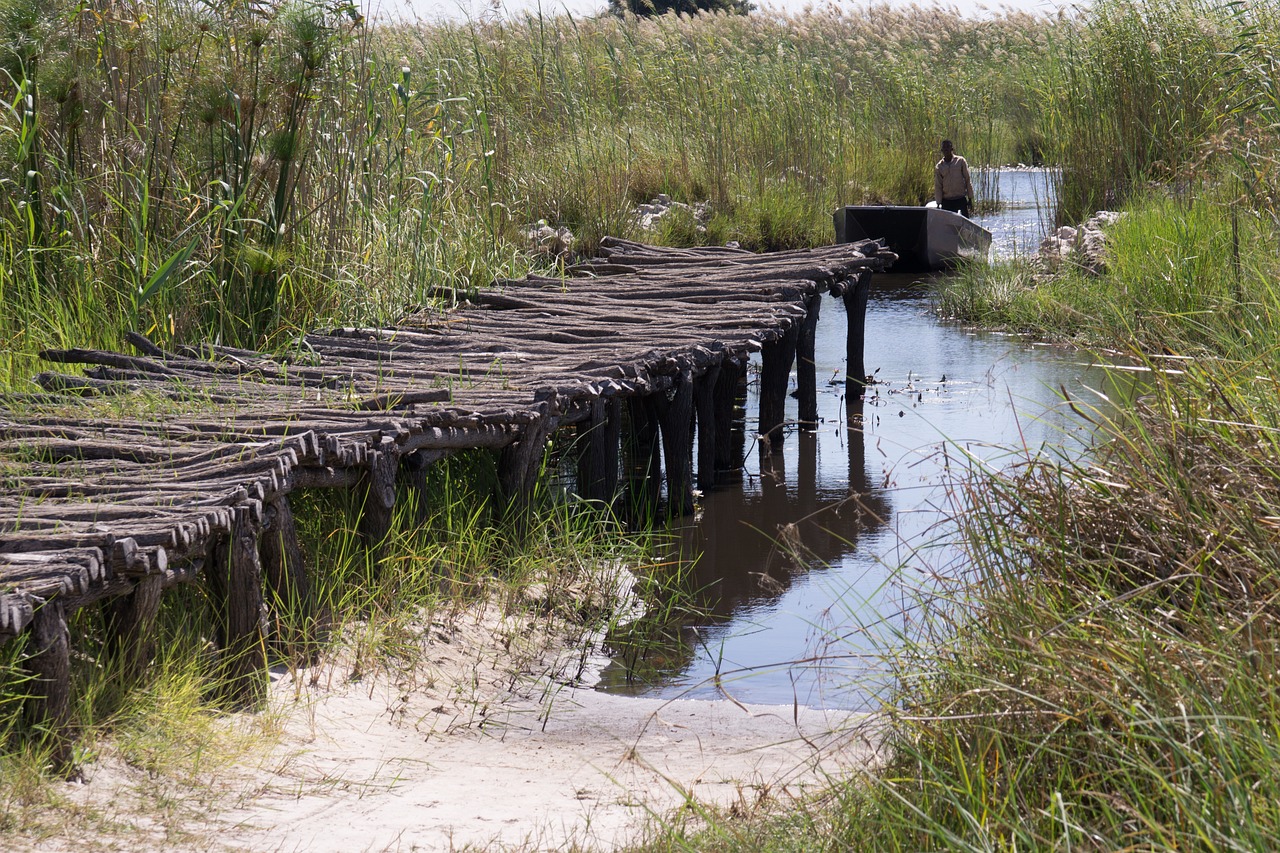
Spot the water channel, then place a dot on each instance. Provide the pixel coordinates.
(798, 579)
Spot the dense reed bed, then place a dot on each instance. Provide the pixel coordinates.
(243, 170)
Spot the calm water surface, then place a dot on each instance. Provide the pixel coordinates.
(790, 623)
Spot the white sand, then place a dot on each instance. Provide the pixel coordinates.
(488, 746)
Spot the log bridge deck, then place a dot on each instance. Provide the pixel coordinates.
(110, 511)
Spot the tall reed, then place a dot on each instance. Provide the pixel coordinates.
(243, 170)
(1136, 90)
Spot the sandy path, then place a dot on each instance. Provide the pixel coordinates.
(600, 766)
(487, 740)
(526, 762)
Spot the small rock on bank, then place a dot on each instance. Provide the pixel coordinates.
(1084, 246)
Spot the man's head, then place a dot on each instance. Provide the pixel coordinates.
(947, 150)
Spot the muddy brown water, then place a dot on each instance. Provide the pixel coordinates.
(799, 582)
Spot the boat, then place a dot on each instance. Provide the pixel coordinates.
(925, 239)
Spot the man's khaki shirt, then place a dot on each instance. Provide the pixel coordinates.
(951, 180)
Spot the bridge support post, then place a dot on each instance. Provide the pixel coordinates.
(518, 467)
(727, 404)
(598, 464)
(643, 457)
(855, 426)
(131, 619)
(675, 414)
(806, 367)
(285, 570)
(777, 357)
(235, 588)
(379, 496)
(855, 305)
(704, 394)
(48, 706)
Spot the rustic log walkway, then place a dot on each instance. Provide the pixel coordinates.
(113, 510)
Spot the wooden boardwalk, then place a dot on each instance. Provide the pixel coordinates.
(111, 510)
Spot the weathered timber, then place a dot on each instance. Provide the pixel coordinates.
(111, 508)
(643, 457)
(855, 304)
(598, 460)
(777, 357)
(518, 467)
(130, 619)
(235, 589)
(289, 600)
(704, 404)
(380, 495)
(49, 662)
(675, 412)
(725, 401)
(806, 368)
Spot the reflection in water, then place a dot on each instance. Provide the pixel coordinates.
(751, 546)
(781, 524)
(803, 563)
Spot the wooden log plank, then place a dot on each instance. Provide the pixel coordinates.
(44, 573)
(15, 614)
(115, 359)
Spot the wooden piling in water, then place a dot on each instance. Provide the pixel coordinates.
(776, 357)
(643, 457)
(705, 414)
(855, 305)
(806, 366)
(726, 403)
(675, 412)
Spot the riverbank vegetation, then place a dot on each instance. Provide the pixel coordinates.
(1104, 678)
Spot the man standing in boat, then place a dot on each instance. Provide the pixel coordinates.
(952, 188)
